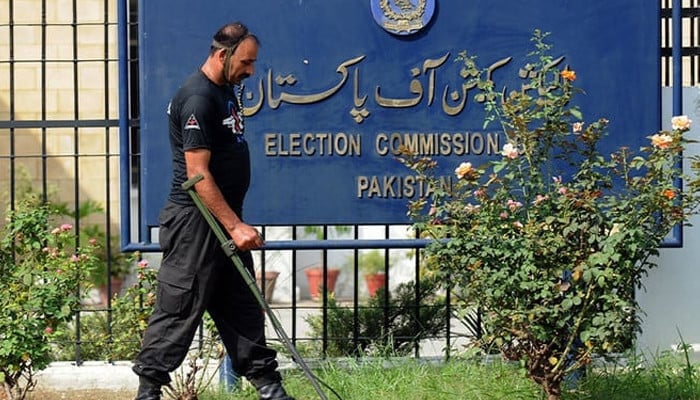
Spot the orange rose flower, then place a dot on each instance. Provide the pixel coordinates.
(662, 141)
(568, 74)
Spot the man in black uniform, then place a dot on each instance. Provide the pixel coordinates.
(206, 137)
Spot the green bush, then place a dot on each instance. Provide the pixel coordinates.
(551, 238)
(114, 335)
(41, 272)
(388, 327)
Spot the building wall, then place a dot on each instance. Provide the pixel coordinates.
(77, 81)
(670, 297)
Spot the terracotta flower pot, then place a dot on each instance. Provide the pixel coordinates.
(375, 282)
(116, 286)
(270, 280)
(315, 278)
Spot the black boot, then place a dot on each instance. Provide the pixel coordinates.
(148, 389)
(273, 391)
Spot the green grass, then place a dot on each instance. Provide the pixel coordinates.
(669, 378)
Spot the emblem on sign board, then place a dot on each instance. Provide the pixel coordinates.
(402, 17)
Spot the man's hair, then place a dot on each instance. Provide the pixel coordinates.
(230, 36)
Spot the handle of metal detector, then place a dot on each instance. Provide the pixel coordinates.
(188, 186)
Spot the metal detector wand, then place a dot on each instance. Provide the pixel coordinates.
(230, 250)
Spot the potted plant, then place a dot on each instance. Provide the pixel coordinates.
(372, 265)
(266, 286)
(551, 238)
(314, 277)
(314, 273)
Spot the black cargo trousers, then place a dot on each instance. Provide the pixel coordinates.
(196, 276)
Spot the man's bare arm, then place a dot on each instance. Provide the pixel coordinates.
(244, 236)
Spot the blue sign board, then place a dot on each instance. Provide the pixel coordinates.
(340, 84)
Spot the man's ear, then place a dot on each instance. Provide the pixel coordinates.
(221, 55)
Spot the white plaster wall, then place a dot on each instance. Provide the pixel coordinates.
(671, 294)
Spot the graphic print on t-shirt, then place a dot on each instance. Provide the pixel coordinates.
(234, 121)
(192, 123)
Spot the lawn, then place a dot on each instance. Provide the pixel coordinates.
(668, 377)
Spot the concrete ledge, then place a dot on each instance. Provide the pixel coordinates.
(90, 375)
(114, 376)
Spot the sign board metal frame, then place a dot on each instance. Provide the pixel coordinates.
(336, 90)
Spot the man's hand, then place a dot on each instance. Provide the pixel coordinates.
(245, 237)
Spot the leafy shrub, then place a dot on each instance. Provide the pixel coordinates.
(114, 335)
(390, 326)
(551, 239)
(41, 272)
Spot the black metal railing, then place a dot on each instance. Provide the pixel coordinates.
(690, 44)
(59, 149)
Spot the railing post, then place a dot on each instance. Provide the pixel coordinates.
(228, 378)
(677, 45)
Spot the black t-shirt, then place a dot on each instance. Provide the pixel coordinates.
(205, 115)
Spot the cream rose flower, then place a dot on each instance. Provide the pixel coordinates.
(577, 127)
(681, 122)
(464, 169)
(510, 151)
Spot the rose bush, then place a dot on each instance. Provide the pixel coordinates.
(550, 240)
(41, 271)
(113, 334)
